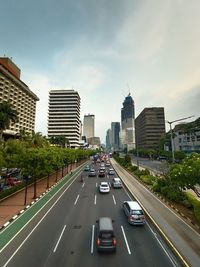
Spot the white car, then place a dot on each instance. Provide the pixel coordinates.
(104, 187)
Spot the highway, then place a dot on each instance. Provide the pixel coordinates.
(63, 233)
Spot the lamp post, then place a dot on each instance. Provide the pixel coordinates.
(171, 134)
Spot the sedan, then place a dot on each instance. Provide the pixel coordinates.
(104, 187)
(92, 173)
(111, 171)
(116, 183)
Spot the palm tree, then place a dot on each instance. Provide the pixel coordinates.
(7, 115)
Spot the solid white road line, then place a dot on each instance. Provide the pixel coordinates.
(114, 199)
(76, 199)
(129, 252)
(95, 199)
(59, 239)
(127, 193)
(36, 224)
(92, 241)
(168, 255)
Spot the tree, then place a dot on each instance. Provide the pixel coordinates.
(7, 115)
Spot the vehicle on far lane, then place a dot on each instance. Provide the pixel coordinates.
(104, 187)
(116, 183)
(111, 171)
(101, 173)
(92, 173)
(87, 168)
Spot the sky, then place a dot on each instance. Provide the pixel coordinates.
(106, 49)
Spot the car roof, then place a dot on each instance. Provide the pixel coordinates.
(105, 224)
(104, 183)
(133, 205)
(116, 179)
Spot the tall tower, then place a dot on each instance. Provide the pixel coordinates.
(64, 115)
(88, 126)
(128, 124)
(115, 129)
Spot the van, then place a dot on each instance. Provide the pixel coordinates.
(106, 240)
(134, 213)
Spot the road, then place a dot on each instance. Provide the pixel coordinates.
(63, 232)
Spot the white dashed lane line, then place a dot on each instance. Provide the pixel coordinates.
(127, 245)
(76, 199)
(114, 199)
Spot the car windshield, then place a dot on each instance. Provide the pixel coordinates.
(104, 185)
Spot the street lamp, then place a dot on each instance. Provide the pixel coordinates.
(171, 135)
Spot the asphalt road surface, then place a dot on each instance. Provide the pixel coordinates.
(63, 233)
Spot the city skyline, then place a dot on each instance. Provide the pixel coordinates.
(105, 50)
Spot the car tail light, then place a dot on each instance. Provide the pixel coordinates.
(114, 242)
(98, 241)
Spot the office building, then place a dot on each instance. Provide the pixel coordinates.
(115, 130)
(88, 126)
(127, 133)
(150, 128)
(22, 99)
(108, 139)
(64, 115)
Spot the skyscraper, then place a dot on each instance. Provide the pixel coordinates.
(22, 99)
(88, 126)
(64, 115)
(127, 134)
(115, 129)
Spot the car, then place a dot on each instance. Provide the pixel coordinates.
(101, 173)
(111, 171)
(104, 187)
(87, 168)
(134, 213)
(106, 240)
(107, 164)
(13, 181)
(92, 173)
(116, 183)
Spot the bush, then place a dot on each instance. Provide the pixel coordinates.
(148, 179)
(172, 192)
(187, 203)
(196, 205)
(139, 173)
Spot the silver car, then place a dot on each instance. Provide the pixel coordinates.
(116, 183)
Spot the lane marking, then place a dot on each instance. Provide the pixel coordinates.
(59, 239)
(96, 184)
(76, 199)
(127, 193)
(114, 199)
(95, 199)
(92, 241)
(164, 249)
(83, 185)
(129, 252)
(12, 256)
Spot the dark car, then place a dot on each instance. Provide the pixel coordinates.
(101, 173)
(87, 168)
(106, 240)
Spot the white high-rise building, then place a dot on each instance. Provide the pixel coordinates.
(64, 115)
(88, 126)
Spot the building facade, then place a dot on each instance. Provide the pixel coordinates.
(127, 133)
(186, 137)
(64, 115)
(18, 94)
(88, 125)
(115, 130)
(150, 128)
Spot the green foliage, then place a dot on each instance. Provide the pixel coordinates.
(158, 184)
(196, 205)
(139, 173)
(148, 179)
(172, 192)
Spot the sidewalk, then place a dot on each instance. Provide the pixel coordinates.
(12, 205)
